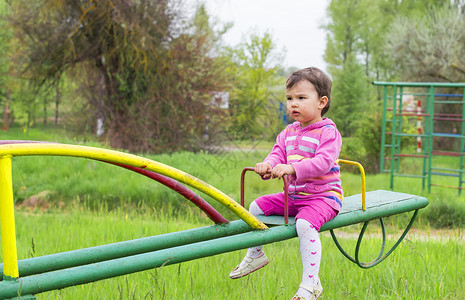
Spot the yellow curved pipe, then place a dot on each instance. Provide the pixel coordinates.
(132, 160)
(362, 174)
(7, 220)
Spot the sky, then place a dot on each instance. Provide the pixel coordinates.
(293, 24)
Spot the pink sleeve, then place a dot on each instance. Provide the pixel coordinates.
(326, 155)
(278, 153)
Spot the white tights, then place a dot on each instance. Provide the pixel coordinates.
(254, 252)
(310, 249)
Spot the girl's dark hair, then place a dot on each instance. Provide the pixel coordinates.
(318, 78)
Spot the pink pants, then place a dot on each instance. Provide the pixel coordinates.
(312, 208)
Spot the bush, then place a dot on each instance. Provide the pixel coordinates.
(364, 147)
(443, 213)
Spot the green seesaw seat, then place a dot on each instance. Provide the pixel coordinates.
(380, 204)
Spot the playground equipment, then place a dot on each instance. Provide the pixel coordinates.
(433, 106)
(27, 277)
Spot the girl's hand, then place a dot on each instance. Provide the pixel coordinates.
(263, 169)
(281, 169)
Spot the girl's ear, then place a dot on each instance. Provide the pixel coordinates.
(323, 102)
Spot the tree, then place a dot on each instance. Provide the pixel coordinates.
(5, 92)
(376, 40)
(349, 53)
(348, 96)
(357, 32)
(429, 47)
(144, 69)
(256, 67)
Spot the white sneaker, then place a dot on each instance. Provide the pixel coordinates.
(315, 292)
(249, 265)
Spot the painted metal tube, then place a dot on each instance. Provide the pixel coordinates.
(7, 220)
(286, 193)
(212, 213)
(421, 84)
(84, 274)
(90, 255)
(362, 175)
(360, 216)
(136, 161)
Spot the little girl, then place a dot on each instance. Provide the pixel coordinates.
(307, 151)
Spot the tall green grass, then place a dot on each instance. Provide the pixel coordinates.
(100, 203)
(92, 183)
(421, 268)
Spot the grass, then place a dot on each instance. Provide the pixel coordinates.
(94, 203)
(418, 269)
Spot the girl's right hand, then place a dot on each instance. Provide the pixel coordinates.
(263, 169)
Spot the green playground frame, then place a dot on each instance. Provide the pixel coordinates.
(432, 95)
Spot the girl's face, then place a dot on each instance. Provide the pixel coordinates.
(303, 103)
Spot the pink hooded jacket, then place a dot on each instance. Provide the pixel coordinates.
(313, 151)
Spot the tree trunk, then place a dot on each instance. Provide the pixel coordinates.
(45, 111)
(57, 103)
(6, 111)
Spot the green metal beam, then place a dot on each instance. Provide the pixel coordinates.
(80, 257)
(84, 274)
(420, 84)
(380, 204)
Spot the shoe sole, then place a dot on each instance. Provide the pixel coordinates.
(245, 274)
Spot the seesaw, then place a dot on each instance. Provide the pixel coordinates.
(28, 277)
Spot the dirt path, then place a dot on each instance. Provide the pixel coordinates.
(437, 235)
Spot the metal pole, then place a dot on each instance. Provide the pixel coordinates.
(53, 262)
(399, 128)
(383, 132)
(462, 143)
(393, 136)
(430, 103)
(84, 274)
(7, 221)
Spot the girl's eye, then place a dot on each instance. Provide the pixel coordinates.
(289, 99)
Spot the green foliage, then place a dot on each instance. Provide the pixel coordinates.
(384, 40)
(145, 70)
(365, 145)
(5, 36)
(446, 213)
(254, 98)
(429, 47)
(348, 97)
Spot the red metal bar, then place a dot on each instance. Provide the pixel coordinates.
(447, 153)
(242, 183)
(286, 199)
(6, 142)
(412, 114)
(410, 110)
(448, 186)
(448, 115)
(286, 193)
(448, 119)
(212, 213)
(411, 155)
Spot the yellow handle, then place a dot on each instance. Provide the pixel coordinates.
(362, 174)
